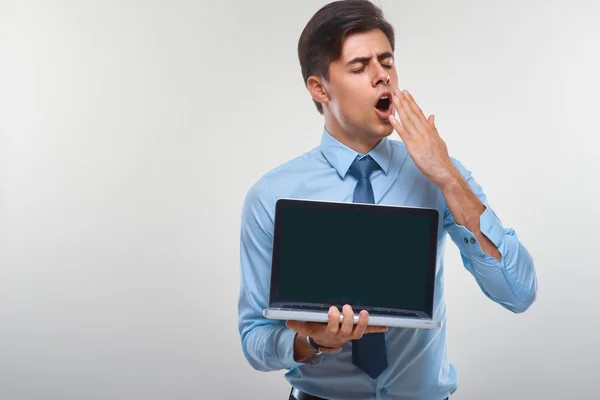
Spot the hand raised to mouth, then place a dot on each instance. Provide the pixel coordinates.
(422, 140)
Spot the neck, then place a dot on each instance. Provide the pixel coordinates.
(356, 141)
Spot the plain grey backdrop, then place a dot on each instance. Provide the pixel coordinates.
(132, 130)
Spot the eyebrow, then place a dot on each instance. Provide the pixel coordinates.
(365, 60)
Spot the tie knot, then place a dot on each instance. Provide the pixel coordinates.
(363, 168)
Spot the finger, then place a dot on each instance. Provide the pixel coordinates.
(413, 116)
(418, 113)
(403, 113)
(334, 320)
(395, 122)
(348, 322)
(363, 320)
(298, 326)
(376, 329)
(399, 128)
(397, 102)
(305, 328)
(431, 120)
(407, 122)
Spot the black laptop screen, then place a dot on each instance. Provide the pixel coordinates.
(364, 255)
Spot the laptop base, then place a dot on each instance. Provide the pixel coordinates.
(374, 320)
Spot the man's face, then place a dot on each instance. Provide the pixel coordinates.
(357, 81)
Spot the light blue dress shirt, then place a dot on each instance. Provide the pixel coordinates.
(418, 364)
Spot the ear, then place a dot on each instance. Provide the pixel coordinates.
(317, 89)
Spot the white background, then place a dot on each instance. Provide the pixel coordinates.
(132, 130)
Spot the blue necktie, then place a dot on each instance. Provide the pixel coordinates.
(368, 352)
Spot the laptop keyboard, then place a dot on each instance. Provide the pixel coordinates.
(406, 314)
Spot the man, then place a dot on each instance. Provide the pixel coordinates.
(346, 54)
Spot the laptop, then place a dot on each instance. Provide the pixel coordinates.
(381, 258)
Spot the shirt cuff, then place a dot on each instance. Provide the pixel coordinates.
(285, 350)
(489, 225)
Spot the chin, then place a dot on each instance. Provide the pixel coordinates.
(382, 129)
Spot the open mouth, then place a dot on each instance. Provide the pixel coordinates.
(383, 107)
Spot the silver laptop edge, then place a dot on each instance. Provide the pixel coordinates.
(374, 320)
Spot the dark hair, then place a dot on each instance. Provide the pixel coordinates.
(321, 40)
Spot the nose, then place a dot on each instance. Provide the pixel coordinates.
(381, 76)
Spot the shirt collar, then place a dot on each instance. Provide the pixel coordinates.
(341, 156)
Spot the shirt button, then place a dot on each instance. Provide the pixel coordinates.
(472, 240)
(466, 240)
(383, 391)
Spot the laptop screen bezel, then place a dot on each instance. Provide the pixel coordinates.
(285, 204)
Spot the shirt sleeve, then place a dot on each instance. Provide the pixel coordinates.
(267, 344)
(510, 282)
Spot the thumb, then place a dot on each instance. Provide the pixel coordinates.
(431, 120)
(295, 325)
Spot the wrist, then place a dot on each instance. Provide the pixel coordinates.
(325, 347)
(452, 179)
(319, 349)
(302, 350)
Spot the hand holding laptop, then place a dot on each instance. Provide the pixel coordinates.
(334, 334)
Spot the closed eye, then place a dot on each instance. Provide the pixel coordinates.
(358, 71)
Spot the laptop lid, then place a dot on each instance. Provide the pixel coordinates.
(366, 255)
